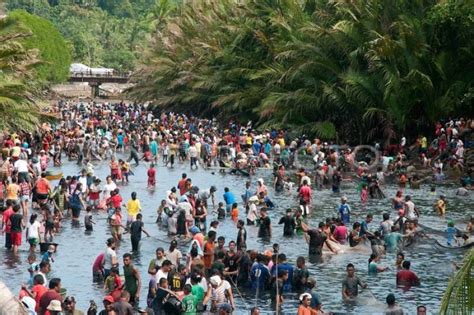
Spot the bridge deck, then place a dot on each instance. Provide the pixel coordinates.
(99, 78)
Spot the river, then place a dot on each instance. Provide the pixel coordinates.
(77, 250)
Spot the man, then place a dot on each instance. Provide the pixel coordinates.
(205, 194)
(392, 307)
(70, 307)
(305, 192)
(300, 274)
(386, 225)
(209, 251)
(163, 272)
(156, 262)
(44, 269)
(229, 199)
(411, 212)
(421, 310)
(231, 261)
(259, 274)
(315, 297)
(110, 257)
(182, 184)
(364, 226)
(393, 239)
(406, 277)
(136, 229)
(122, 307)
(283, 265)
(351, 283)
(317, 238)
(345, 211)
(133, 282)
(162, 295)
(51, 294)
(289, 223)
(173, 253)
(265, 227)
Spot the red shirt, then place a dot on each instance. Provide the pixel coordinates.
(305, 193)
(39, 289)
(6, 219)
(116, 201)
(97, 266)
(151, 172)
(182, 186)
(407, 277)
(47, 297)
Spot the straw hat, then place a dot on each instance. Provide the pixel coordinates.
(54, 305)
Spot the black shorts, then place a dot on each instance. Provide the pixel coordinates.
(41, 196)
(76, 212)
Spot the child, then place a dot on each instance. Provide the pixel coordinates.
(16, 223)
(33, 232)
(220, 211)
(33, 267)
(94, 193)
(37, 290)
(116, 224)
(113, 283)
(364, 196)
(125, 171)
(151, 176)
(188, 304)
(451, 233)
(57, 217)
(88, 219)
(235, 212)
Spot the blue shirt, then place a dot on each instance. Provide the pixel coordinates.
(363, 228)
(289, 269)
(229, 198)
(392, 240)
(256, 148)
(345, 213)
(451, 232)
(120, 139)
(259, 276)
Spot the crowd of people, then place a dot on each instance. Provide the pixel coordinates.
(205, 277)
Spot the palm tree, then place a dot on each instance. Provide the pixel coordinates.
(19, 107)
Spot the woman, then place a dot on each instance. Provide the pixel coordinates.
(76, 202)
(25, 191)
(374, 268)
(304, 308)
(252, 213)
(261, 188)
(194, 254)
(200, 214)
(279, 182)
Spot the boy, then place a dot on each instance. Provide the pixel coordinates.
(88, 219)
(16, 224)
(220, 211)
(113, 283)
(235, 212)
(188, 304)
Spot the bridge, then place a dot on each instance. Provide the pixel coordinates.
(96, 79)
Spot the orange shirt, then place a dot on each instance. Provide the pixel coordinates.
(42, 186)
(235, 214)
(209, 254)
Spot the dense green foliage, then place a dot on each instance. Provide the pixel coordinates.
(53, 50)
(19, 108)
(356, 70)
(107, 33)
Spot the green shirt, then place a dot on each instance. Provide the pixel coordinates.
(188, 304)
(198, 293)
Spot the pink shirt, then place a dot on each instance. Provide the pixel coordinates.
(340, 234)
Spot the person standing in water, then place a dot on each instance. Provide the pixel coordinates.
(132, 279)
(136, 229)
(351, 283)
(151, 176)
(345, 211)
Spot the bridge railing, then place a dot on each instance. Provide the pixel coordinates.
(93, 74)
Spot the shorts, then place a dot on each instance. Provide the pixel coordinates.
(42, 196)
(24, 198)
(33, 241)
(76, 212)
(16, 238)
(115, 230)
(94, 202)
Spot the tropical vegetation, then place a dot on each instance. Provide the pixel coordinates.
(108, 33)
(356, 71)
(19, 105)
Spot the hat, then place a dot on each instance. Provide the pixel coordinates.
(109, 298)
(29, 303)
(54, 305)
(194, 230)
(253, 199)
(305, 295)
(216, 280)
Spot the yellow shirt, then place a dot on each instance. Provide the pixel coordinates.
(12, 191)
(133, 207)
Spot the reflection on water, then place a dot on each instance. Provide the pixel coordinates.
(78, 249)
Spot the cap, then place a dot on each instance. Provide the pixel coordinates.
(109, 298)
(305, 295)
(216, 280)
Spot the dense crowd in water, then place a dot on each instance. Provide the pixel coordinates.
(205, 278)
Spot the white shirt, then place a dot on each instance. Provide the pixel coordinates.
(83, 181)
(109, 254)
(160, 274)
(174, 256)
(109, 188)
(21, 166)
(33, 229)
(410, 206)
(252, 215)
(193, 152)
